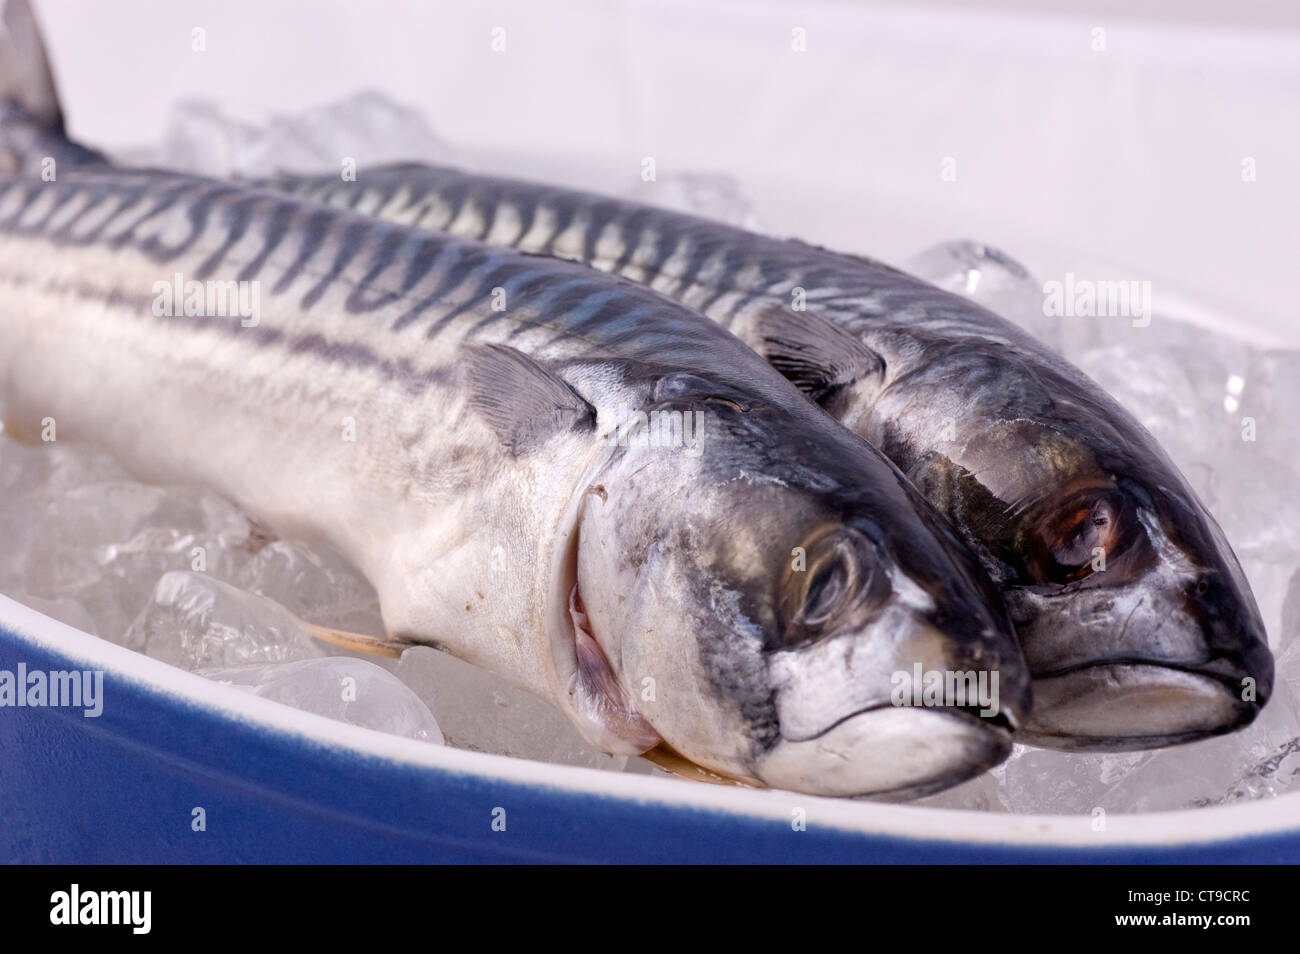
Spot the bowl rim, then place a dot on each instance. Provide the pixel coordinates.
(1181, 828)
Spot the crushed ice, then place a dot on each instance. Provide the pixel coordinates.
(186, 578)
(1194, 390)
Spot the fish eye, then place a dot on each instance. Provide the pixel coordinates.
(684, 387)
(1083, 535)
(825, 591)
(835, 582)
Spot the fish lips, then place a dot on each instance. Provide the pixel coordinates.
(1146, 664)
(887, 750)
(854, 720)
(1133, 705)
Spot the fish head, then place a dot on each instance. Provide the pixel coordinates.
(769, 605)
(1134, 615)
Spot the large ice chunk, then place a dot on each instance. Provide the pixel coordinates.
(983, 793)
(365, 129)
(479, 710)
(194, 621)
(338, 687)
(991, 278)
(105, 543)
(712, 195)
(315, 583)
(1177, 395)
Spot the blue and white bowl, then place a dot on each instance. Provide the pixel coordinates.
(180, 769)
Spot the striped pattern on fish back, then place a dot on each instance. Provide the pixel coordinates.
(411, 283)
(717, 269)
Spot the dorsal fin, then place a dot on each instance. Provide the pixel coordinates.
(816, 356)
(524, 402)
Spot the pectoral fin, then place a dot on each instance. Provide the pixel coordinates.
(14, 428)
(524, 402)
(817, 356)
(359, 642)
(674, 763)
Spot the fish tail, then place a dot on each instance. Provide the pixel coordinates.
(25, 77)
(32, 136)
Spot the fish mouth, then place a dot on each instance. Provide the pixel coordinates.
(1127, 705)
(888, 750)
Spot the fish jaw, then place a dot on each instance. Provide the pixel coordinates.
(1131, 706)
(888, 750)
(1131, 701)
(855, 720)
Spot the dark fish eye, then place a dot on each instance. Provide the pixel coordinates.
(825, 591)
(684, 388)
(1082, 535)
(836, 580)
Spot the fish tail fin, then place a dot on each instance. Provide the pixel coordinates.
(25, 77)
(31, 119)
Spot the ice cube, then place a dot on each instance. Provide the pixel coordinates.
(54, 468)
(1276, 774)
(1066, 783)
(711, 195)
(1133, 334)
(315, 583)
(1256, 761)
(1268, 580)
(365, 129)
(1258, 508)
(1286, 666)
(91, 545)
(200, 137)
(1212, 770)
(1177, 395)
(21, 505)
(1288, 641)
(1272, 764)
(1270, 395)
(989, 277)
(983, 793)
(337, 687)
(195, 621)
(105, 543)
(479, 710)
(32, 480)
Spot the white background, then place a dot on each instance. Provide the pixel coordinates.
(1125, 162)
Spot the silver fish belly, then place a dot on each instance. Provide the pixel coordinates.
(1132, 610)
